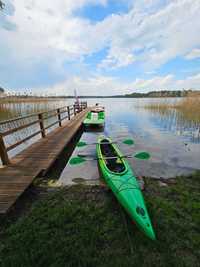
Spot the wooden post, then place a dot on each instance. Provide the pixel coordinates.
(68, 111)
(74, 110)
(40, 116)
(59, 117)
(3, 152)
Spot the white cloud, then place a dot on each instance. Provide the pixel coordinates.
(151, 33)
(195, 53)
(103, 85)
(108, 85)
(117, 58)
(189, 82)
(46, 29)
(154, 35)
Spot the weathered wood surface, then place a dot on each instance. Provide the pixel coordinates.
(39, 157)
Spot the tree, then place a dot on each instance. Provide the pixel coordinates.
(1, 90)
(1, 5)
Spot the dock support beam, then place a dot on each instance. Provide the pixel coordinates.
(68, 112)
(59, 117)
(3, 152)
(40, 116)
(74, 110)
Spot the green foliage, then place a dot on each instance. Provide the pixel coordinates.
(1, 5)
(163, 93)
(85, 226)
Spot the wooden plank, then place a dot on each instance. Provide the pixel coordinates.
(24, 167)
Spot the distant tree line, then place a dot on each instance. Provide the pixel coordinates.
(164, 93)
(1, 5)
(1, 90)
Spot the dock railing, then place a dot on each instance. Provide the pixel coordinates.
(42, 122)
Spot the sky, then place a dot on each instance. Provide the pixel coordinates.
(99, 47)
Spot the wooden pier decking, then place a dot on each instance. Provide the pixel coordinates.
(39, 157)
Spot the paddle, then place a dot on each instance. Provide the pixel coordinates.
(126, 141)
(83, 158)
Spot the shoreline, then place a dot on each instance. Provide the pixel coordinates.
(21, 99)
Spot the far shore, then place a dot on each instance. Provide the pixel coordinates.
(4, 99)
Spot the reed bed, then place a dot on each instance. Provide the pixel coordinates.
(188, 107)
(7, 100)
(189, 104)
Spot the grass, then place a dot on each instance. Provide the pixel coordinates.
(85, 226)
(188, 108)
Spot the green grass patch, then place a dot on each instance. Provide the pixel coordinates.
(85, 226)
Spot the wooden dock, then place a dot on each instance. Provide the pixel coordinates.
(17, 176)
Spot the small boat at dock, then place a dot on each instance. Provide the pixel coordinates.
(94, 119)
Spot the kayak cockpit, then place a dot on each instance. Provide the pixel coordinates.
(108, 151)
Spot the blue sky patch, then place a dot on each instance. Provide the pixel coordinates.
(97, 13)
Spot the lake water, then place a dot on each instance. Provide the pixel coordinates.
(172, 140)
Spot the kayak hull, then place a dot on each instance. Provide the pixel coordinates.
(126, 189)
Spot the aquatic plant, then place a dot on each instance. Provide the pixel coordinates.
(188, 107)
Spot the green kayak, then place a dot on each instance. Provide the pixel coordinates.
(120, 178)
(94, 118)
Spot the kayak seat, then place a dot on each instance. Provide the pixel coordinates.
(107, 150)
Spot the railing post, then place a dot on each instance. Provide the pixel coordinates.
(59, 117)
(40, 116)
(3, 152)
(74, 110)
(68, 111)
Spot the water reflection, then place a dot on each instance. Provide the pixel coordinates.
(172, 138)
(14, 110)
(173, 120)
